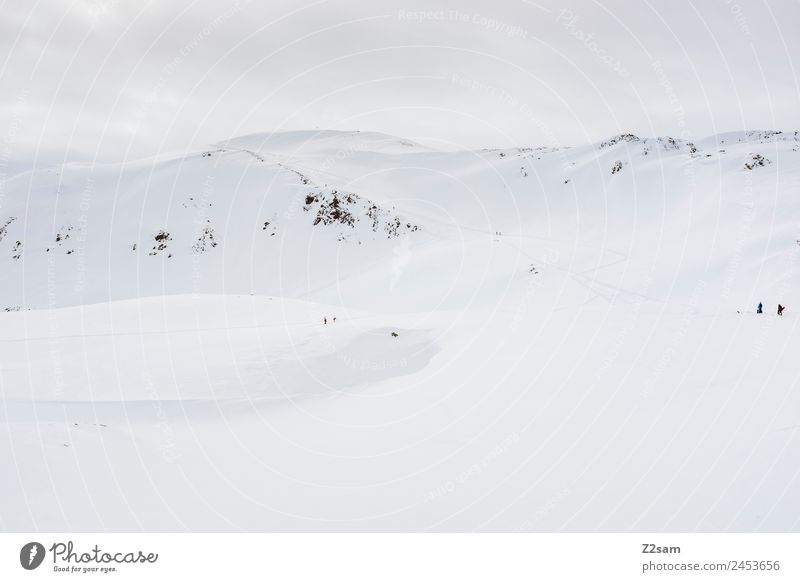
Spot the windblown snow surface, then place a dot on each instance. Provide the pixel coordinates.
(533, 339)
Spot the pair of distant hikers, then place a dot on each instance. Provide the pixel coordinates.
(760, 308)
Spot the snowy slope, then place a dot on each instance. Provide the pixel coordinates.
(569, 355)
(321, 218)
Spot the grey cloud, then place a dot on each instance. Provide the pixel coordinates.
(110, 80)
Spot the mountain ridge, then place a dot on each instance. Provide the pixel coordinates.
(80, 231)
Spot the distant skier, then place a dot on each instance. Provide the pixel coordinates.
(334, 319)
(325, 321)
(780, 309)
(760, 308)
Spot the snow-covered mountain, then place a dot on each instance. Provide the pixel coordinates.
(526, 339)
(327, 215)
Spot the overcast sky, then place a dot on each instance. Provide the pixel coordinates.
(111, 80)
